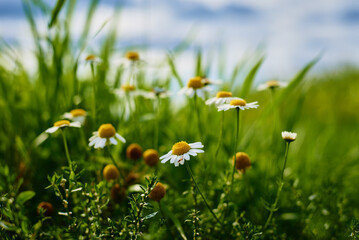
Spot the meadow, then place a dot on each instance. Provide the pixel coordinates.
(61, 185)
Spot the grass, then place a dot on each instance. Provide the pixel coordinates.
(319, 198)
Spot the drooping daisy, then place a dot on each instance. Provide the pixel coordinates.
(105, 136)
(207, 81)
(62, 124)
(76, 115)
(195, 85)
(182, 151)
(221, 97)
(155, 93)
(237, 103)
(92, 59)
(126, 93)
(271, 84)
(289, 136)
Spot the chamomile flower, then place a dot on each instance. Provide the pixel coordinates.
(155, 93)
(237, 103)
(126, 93)
(92, 59)
(289, 136)
(195, 85)
(78, 115)
(221, 97)
(62, 124)
(132, 59)
(182, 151)
(105, 135)
(271, 84)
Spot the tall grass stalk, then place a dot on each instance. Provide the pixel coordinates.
(273, 208)
(200, 192)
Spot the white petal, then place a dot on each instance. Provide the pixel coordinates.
(67, 115)
(196, 145)
(101, 143)
(52, 129)
(182, 91)
(186, 156)
(190, 152)
(164, 160)
(166, 155)
(122, 139)
(75, 124)
(113, 141)
(211, 101)
(176, 164)
(93, 137)
(94, 141)
(174, 158)
(197, 150)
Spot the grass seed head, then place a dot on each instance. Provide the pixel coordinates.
(158, 192)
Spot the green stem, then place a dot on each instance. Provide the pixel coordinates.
(157, 123)
(197, 113)
(220, 136)
(66, 149)
(94, 92)
(113, 161)
(281, 183)
(235, 148)
(200, 192)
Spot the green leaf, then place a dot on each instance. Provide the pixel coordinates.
(7, 226)
(174, 220)
(149, 216)
(248, 81)
(24, 197)
(56, 11)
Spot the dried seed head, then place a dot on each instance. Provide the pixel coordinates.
(110, 172)
(117, 193)
(47, 207)
(242, 161)
(158, 192)
(134, 151)
(151, 157)
(131, 178)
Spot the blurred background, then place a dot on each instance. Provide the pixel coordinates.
(289, 33)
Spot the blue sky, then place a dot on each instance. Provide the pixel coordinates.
(290, 32)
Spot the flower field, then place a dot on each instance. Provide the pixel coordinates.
(106, 144)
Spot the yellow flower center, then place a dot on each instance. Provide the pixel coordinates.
(61, 122)
(78, 112)
(151, 157)
(133, 56)
(180, 148)
(90, 57)
(238, 102)
(195, 83)
(272, 83)
(106, 131)
(128, 87)
(223, 94)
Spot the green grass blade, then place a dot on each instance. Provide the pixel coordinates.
(174, 71)
(56, 11)
(175, 220)
(248, 82)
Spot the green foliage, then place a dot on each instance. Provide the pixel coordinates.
(319, 197)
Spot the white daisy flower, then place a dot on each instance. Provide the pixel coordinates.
(195, 85)
(271, 85)
(93, 59)
(222, 97)
(126, 93)
(156, 93)
(132, 59)
(77, 115)
(105, 136)
(237, 103)
(207, 81)
(182, 151)
(289, 136)
(62, 124)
